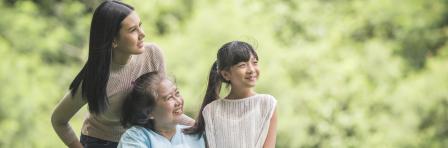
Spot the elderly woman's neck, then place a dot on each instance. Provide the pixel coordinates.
(167, 132)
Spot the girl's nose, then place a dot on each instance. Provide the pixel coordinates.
(250, 69)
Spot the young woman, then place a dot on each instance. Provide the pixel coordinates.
(151, 111)
(243, 118)
(117, 55)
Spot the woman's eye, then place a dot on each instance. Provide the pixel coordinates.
(177, 93)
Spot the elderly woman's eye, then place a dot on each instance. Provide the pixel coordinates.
(177, 93)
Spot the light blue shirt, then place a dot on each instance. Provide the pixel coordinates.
(140, 137)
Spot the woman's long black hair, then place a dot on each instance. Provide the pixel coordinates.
(93, 77)
(228, 55)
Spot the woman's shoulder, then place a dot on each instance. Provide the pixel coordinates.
(136, 130)
(152, 47)
(152, 53)
(136, 136)
(153, 50)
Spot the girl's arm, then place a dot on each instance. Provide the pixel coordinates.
(272, 132)
(62, 114)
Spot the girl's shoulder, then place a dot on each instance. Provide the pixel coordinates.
(261, 98)
(267, 104)
(211, 104)
(266, 98)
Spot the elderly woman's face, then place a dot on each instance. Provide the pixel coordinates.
(169, 103)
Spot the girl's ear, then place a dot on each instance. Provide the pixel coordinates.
(225, 74)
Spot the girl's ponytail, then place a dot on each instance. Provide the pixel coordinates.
(212, 94)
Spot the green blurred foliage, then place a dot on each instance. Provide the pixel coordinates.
(346, 73)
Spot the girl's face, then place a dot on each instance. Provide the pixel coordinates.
(243, 74)
(130, 36)
(169, 104)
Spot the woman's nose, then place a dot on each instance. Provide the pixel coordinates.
(179, 101)
(141, 33)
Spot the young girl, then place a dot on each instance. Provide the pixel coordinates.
(152, 111)
(243, 118)
(117, 55)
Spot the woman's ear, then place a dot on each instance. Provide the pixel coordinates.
(148, 113)
(114, 43)
(150, 116)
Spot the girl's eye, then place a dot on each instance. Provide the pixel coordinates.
(255, 62)
(242, 65)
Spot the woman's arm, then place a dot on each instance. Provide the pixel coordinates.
(272, 132)
(185, 120)
(75, 144)
(62, 114)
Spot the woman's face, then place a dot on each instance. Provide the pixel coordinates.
(169, 104)
(130, 37)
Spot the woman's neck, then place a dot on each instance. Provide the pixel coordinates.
(240, 93)
(167, 132)
(120, 58)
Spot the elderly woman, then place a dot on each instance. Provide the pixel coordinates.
(151, 112)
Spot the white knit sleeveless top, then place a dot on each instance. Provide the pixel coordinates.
(242, 123)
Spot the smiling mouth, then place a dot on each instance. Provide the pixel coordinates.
(251, 78)
(178, 111)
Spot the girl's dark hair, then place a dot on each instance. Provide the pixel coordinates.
(141, 101)
(93, 77)
(228, 55)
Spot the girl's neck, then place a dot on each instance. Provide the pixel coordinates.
(240, 93)
(120, 58)
(167, 132)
